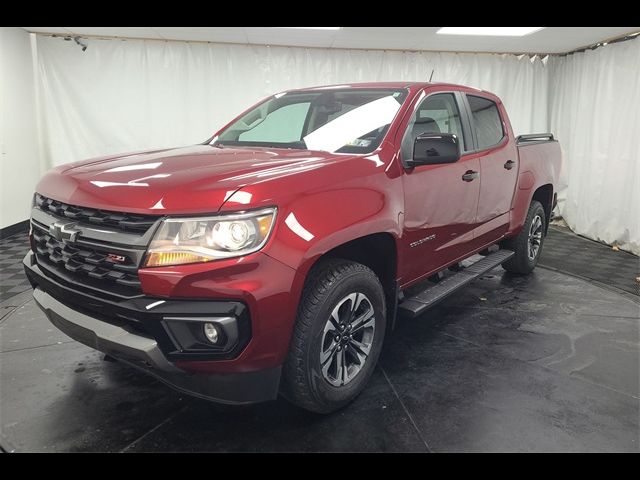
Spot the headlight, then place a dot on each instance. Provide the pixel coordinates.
(202, 239)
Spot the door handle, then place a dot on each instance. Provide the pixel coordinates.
(470, 176)
(510, 164)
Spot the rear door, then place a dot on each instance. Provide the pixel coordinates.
(498, 168)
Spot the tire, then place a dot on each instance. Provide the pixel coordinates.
(533, 230)
(332, 288)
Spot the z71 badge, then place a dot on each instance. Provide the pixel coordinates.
(112, 257)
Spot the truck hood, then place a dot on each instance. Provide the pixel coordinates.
(186, 180)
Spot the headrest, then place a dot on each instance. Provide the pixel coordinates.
(426, 125)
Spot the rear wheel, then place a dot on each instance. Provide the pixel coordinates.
(337, 338)
(527, 245)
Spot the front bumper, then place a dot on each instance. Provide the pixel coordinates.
(143, 353)
(122, 335)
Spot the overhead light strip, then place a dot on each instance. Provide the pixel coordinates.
(490, 31)
(314, 28)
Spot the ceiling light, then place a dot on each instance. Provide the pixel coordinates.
(314, 28)
(492, 31)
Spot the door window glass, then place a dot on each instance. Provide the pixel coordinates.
(486, 119)
(436, 114)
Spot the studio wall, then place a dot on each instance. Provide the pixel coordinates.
(127, 95)
(594, 100)
(20, 156)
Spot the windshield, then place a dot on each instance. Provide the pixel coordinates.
(340, 120)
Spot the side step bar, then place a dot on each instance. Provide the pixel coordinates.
(419, 303)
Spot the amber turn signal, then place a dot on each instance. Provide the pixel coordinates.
(161, 259)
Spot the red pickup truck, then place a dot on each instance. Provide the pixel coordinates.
(274, 257)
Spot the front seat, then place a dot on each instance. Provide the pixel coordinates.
(422, 125)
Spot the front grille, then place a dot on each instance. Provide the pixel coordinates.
(88, 266)
(126, 222)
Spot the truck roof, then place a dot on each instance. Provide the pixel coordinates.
(412, 85)
(381, 85)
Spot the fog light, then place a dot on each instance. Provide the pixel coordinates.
(211, 332)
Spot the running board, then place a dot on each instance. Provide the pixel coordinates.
(419, 303)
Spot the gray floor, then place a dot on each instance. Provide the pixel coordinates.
(601, 264)
(547, 362)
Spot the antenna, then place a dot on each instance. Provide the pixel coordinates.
(433, 70)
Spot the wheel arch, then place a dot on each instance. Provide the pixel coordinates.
(522, 201)
(544, 195)
(377, 251)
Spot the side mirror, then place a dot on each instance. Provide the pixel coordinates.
(434, 148)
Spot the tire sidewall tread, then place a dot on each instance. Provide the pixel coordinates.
(520, 262)
(327, 283)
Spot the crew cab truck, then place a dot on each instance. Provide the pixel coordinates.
(274, 257)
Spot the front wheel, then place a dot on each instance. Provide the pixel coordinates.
(337, 338)
(527, 245)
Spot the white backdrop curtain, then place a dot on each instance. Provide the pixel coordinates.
(595, 113)
(134, 94)
(123, 95)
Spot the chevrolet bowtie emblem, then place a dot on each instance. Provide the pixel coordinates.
(64, 231)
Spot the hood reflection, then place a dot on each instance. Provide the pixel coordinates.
(131, 183)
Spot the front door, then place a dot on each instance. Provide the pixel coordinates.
(440, 200)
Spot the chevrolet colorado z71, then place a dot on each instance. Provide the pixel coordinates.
(274, 257)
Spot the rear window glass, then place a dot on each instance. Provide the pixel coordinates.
(487, 121)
